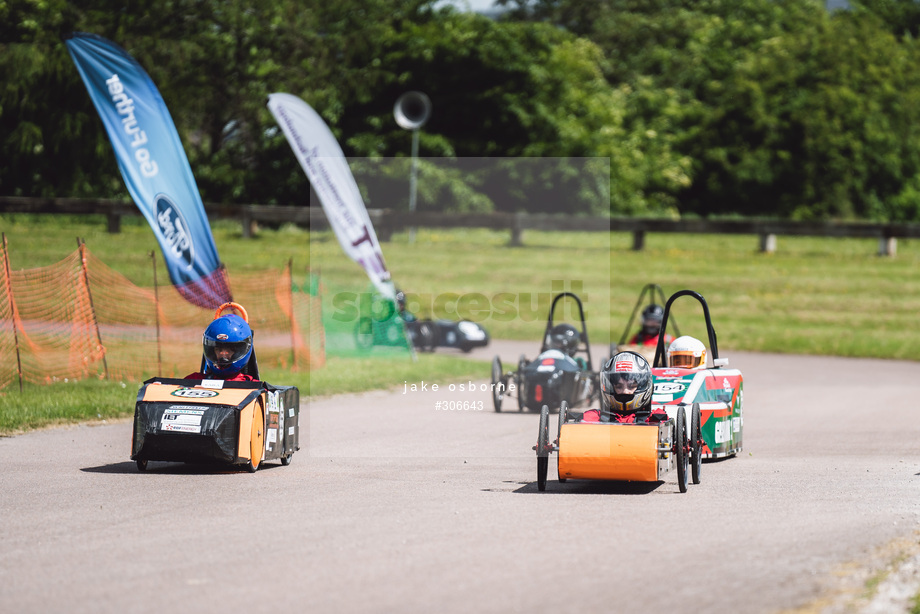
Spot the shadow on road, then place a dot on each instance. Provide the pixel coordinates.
(174, 468)
(594, 487)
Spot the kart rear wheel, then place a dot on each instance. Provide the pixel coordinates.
(286, 460)
(563, 415)
(519, 383)
(543, 449)
(497, 380)
(680, 448)
(142, 466)
(256, 439)
(696, 444)
(364, 334)
(427, 339)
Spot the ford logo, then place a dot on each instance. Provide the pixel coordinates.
(177, 240)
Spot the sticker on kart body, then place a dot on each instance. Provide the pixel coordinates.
(669, 387)
(723, 431)
(194, 393)
(181, 421)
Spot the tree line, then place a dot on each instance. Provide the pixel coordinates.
(774, 108)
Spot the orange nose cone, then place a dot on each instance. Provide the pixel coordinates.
(538, 393)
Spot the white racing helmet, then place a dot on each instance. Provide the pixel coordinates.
(687, 353)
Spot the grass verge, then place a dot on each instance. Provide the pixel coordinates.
(71, 402)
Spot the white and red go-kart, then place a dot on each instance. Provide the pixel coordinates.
(716, 390)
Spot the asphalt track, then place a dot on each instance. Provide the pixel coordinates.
(394, 505)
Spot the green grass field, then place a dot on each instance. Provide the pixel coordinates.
(813, 296)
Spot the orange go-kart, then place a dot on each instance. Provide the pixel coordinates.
(214, 421)
(620, 452)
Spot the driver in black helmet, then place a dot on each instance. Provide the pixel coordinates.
(565, 338)
(651, 327)
(404, 312)
(626, 385)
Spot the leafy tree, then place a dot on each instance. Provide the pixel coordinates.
(901, 17)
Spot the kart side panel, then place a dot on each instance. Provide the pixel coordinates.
(720, 394)
(609, 452)
(282, 417)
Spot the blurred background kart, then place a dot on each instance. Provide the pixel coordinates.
(562, 371)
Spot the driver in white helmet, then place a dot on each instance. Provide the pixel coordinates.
(626, 385)
(687, 353)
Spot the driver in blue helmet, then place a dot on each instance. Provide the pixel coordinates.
(227, 348)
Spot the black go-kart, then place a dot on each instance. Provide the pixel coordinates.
(463, 335)
(650, 296)
(393, 326)
(562, 371)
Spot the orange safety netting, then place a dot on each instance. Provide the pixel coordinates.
(78, 318)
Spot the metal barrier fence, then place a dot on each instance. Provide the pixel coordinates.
(79, 319)
(386, 222)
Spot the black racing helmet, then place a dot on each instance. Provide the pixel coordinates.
(626, 383)
(651, 319)
(564, 337)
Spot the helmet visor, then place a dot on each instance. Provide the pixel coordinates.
(626, 383)
(684, 360)
(223, 353)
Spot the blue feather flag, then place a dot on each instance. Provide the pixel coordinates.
(154, 166)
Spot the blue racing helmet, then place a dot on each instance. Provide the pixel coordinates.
(227, 345)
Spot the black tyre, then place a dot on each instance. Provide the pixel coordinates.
(519, 383)
(543, 449)
(364, 333)
(286, 460)
(696, 444)
(563, 416)
(681, 455)
(141, 465)
(498, 383)
(427, 336)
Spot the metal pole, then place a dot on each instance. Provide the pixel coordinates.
(290, 279)
(82, 246)
(9, 294)
(156, 314)
(413, 180)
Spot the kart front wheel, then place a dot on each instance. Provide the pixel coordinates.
(142, 465)
(681, 455)
(543, 449)
(498, 384)
(696, 444)
(286, 460)
(256, 439)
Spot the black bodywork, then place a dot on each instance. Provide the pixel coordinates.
(463, 335)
